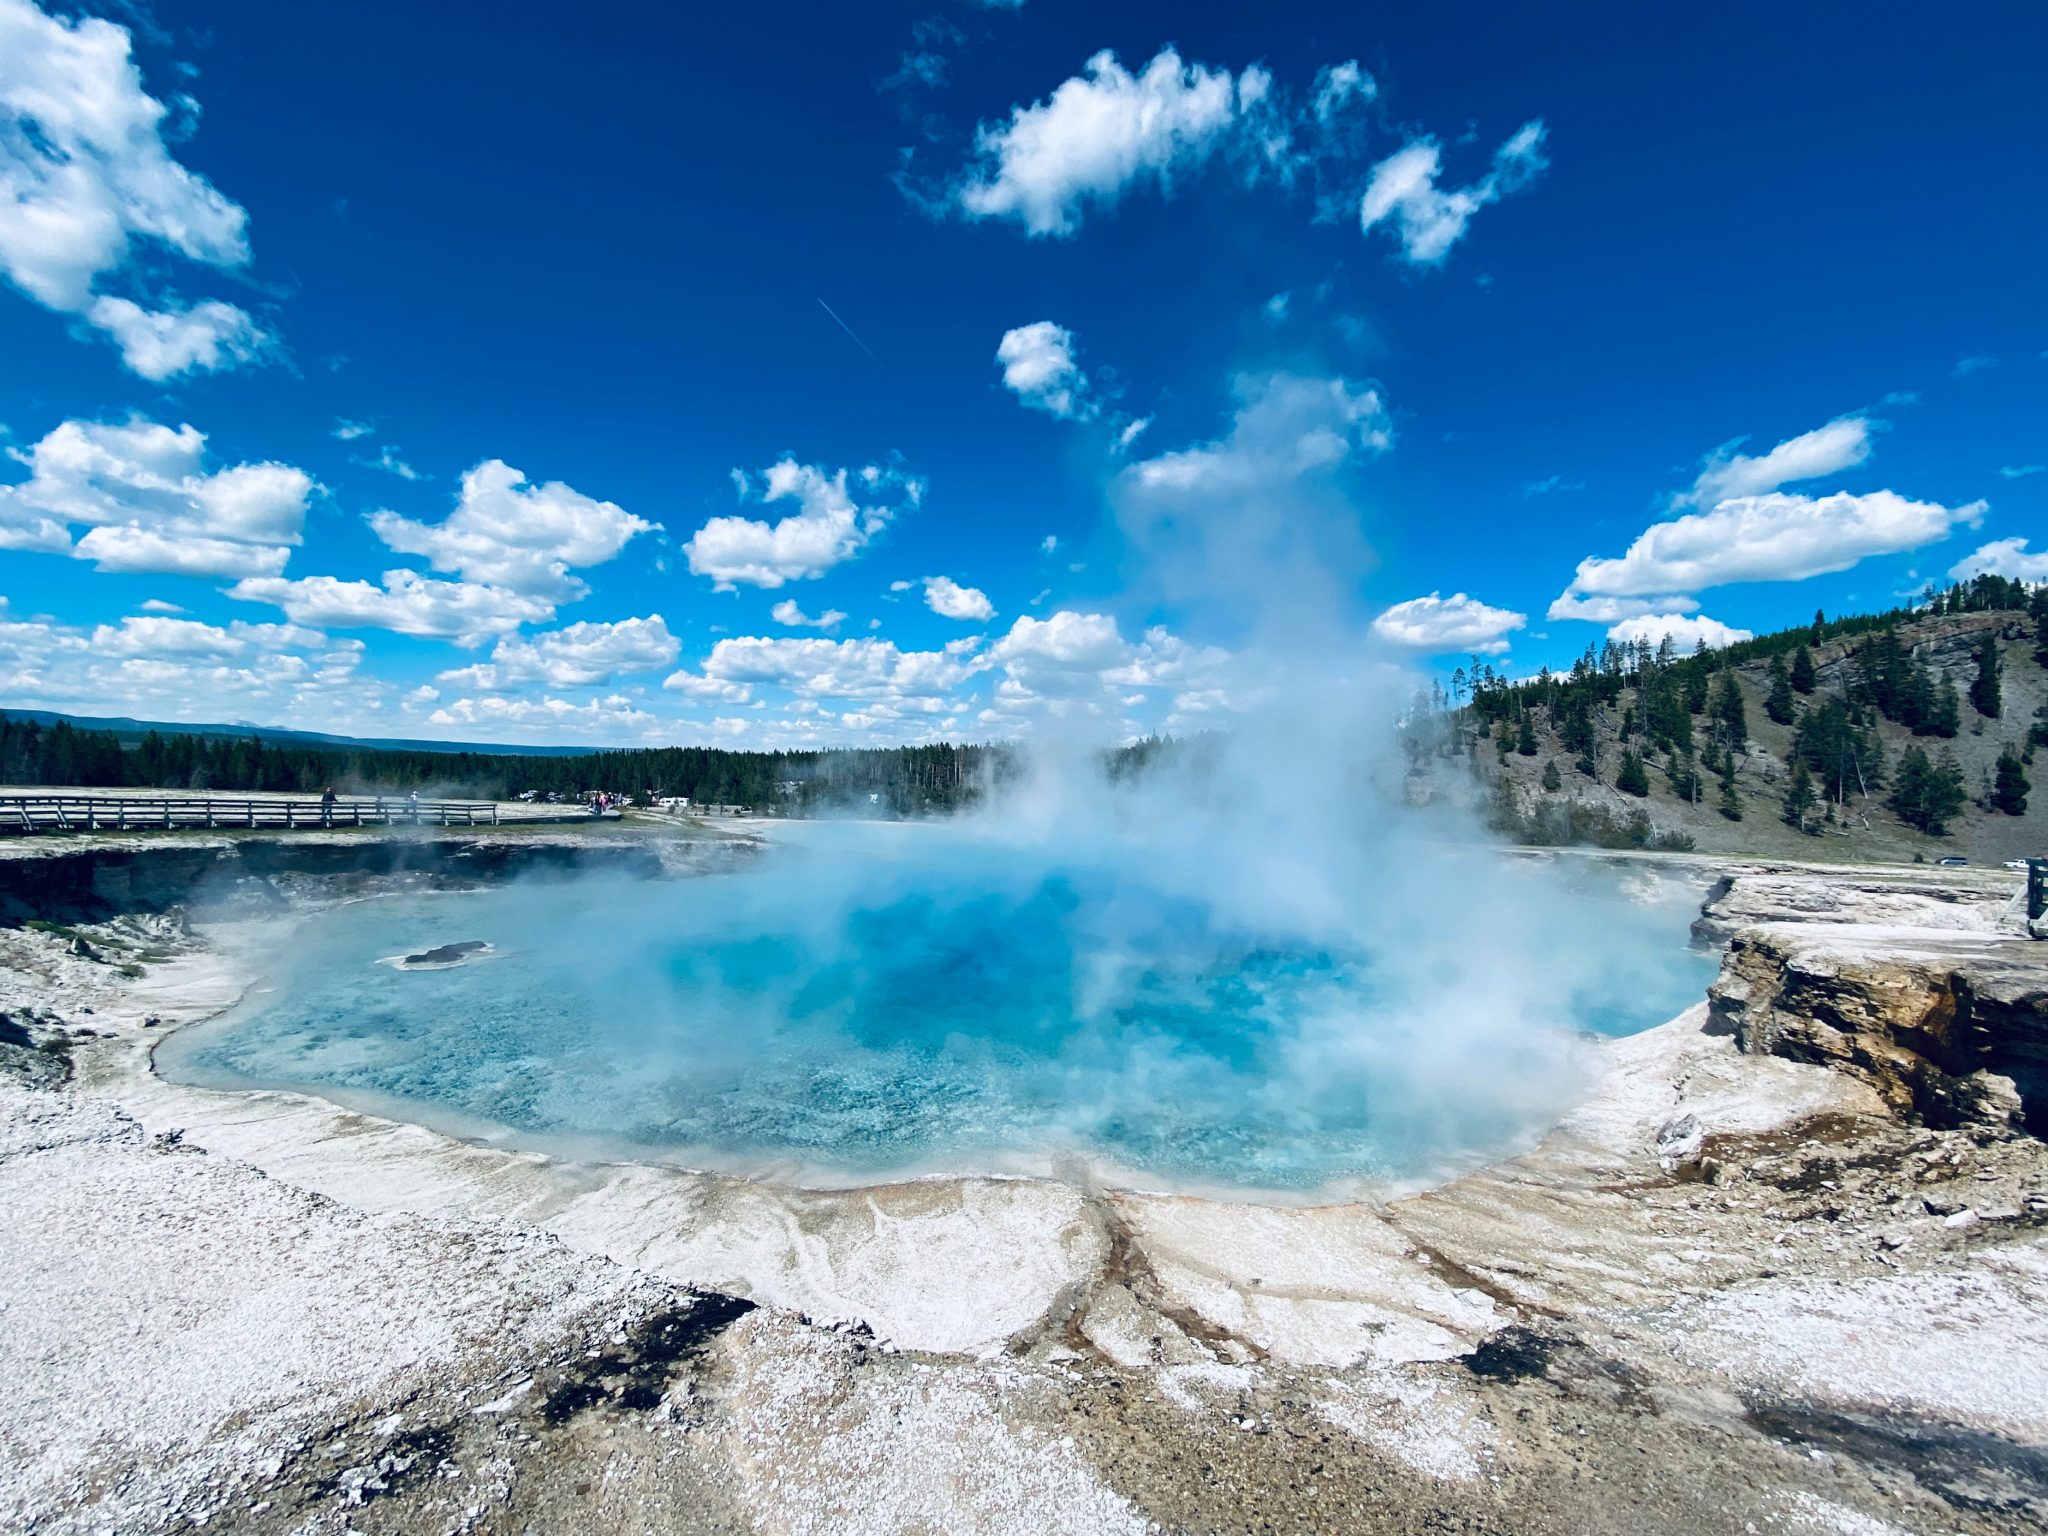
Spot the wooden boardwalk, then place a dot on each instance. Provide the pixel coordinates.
(139, 813)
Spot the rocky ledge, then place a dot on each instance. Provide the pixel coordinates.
(1958, 900)
(1951, 1028)
(89, 878)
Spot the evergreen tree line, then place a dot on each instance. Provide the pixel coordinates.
(907, 780)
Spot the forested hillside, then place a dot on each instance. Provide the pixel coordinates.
(1886, 735)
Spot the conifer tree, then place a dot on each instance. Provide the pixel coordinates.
(2009, 788)
(1696, 687)
(1630, 778)
(1844, 754)
(1730, 804)
(1946, 716)
(1780, 703)
(1984, 688)
(1526, 742)
(1552, 780)
(1928, 793)
(1684, 776)
(1802, 671)
(1726, 709)
(1799, 796)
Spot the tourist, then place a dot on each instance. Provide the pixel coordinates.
(327, 806)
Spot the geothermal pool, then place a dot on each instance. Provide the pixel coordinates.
(885, 1003)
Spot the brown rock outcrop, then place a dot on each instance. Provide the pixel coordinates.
(1951, 1028)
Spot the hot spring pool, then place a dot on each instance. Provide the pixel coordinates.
(856, 1009)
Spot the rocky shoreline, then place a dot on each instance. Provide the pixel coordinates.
(1785, 1269)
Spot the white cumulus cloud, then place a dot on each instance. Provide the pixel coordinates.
(162, 343)
(406, 603)
(152, 504)
(1426, 219)
(1454, 623)
(2002, 557)
(828, 527)
(696, 685)
(1776, 537)
(519, 537)
(1068, 640)
(1039, 368)
(1842, 444)
(1748, 528)
(1101, 132)
(580, 655)
(948, 599)
(149, 635)
(1078, 667)
(1686, 631)
(865, 669)
(788, 612)
(85, 175)
(184, 669)
(558, 719)
(1610, 610)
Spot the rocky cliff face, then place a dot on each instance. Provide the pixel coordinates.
(95, 881)
(1950, 1027)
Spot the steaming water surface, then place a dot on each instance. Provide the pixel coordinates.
(897, 1001)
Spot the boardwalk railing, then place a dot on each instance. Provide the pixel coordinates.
(129, 813)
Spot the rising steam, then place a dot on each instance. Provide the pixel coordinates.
(1249, 965)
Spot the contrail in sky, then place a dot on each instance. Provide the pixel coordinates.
(856, 340)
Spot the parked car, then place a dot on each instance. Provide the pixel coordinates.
(1953, 860)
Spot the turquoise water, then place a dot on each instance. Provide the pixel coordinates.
(839, 1016)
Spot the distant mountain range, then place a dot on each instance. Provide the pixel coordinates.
(129, 729)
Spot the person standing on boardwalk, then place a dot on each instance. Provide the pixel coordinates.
(327, 806)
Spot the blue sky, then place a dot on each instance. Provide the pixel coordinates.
(637, 341)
